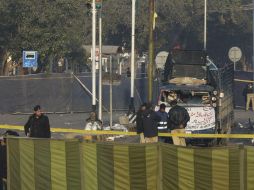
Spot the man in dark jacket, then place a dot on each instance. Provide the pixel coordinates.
(37, 125)
(178, 116)
(168, 67)
(150, 123)
(248, 90)
(139, 122)
(3, 158)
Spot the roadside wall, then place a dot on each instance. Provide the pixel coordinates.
(62, 93)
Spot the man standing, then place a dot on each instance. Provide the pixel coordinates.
(139, 122)
(248, 95)
(128, 72)
(178, 118)
(162, 124)
(150, 123)
(37, 125)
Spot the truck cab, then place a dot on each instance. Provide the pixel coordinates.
(197, 84)
(197, 101)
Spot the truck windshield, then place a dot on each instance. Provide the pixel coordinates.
(192, 71)
(185, 98)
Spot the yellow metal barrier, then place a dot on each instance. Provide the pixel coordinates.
(240, 80)
(60, 130)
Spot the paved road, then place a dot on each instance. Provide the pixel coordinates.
(77, 121)
(72, 121)
(244, 123)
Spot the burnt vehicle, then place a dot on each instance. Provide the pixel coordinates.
(204, 89)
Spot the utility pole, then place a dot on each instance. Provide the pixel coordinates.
(205, 23)
(131, 106)
(253, 40)
(151, 50)
(93, 56)
(100, 66)
(110, 92)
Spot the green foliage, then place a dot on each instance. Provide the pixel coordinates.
(48, 26)
(59, 27)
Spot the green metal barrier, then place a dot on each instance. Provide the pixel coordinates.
(35, 164)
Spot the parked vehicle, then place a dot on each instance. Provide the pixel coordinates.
(205, 90)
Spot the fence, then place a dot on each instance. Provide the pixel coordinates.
(63, 93)
(20, 93)
(71, 164)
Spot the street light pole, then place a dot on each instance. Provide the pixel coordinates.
(253, 42)
(205, 23)
(151, 50)
(131, 106)
(93, 56)
(110, 92)
(100, 66)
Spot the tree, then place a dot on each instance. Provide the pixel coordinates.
(59, 27)
(48, 26)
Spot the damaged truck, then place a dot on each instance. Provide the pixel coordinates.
(203, 88)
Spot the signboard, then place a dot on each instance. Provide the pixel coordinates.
(201, 118)
(97, 56)
(30, 59)
(161, 59)
(235, 54)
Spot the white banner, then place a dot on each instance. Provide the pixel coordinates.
(201, 118)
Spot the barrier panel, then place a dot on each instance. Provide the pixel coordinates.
(3, 166)
(70, 164)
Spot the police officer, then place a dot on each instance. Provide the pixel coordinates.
(162, 124)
